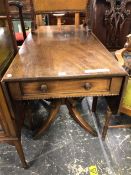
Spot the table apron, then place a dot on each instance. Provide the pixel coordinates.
(46, 89)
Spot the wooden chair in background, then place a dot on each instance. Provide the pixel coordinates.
(56, 7)
(19, 37)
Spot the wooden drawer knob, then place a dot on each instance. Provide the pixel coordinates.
(43, 88)
(88, 86)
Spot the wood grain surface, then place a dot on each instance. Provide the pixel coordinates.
(51, 53)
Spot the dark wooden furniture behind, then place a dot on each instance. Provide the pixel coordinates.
(26, 7)
(20, 8)
(59, 6)
(68, 18)
(112, 22)
(8, 127)
(61, 65)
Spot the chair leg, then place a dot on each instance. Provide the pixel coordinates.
(19, 149)
(51, 118)
(106, 125)
(77, 20)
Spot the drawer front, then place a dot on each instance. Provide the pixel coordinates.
(65, 86)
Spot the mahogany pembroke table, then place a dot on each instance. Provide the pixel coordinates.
(63, 65)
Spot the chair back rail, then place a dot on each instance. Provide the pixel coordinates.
(44, 6)
(59, 6)
(19, 5)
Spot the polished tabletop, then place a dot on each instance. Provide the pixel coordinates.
(52, 52)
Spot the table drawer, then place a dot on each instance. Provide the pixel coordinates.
(65, 86)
